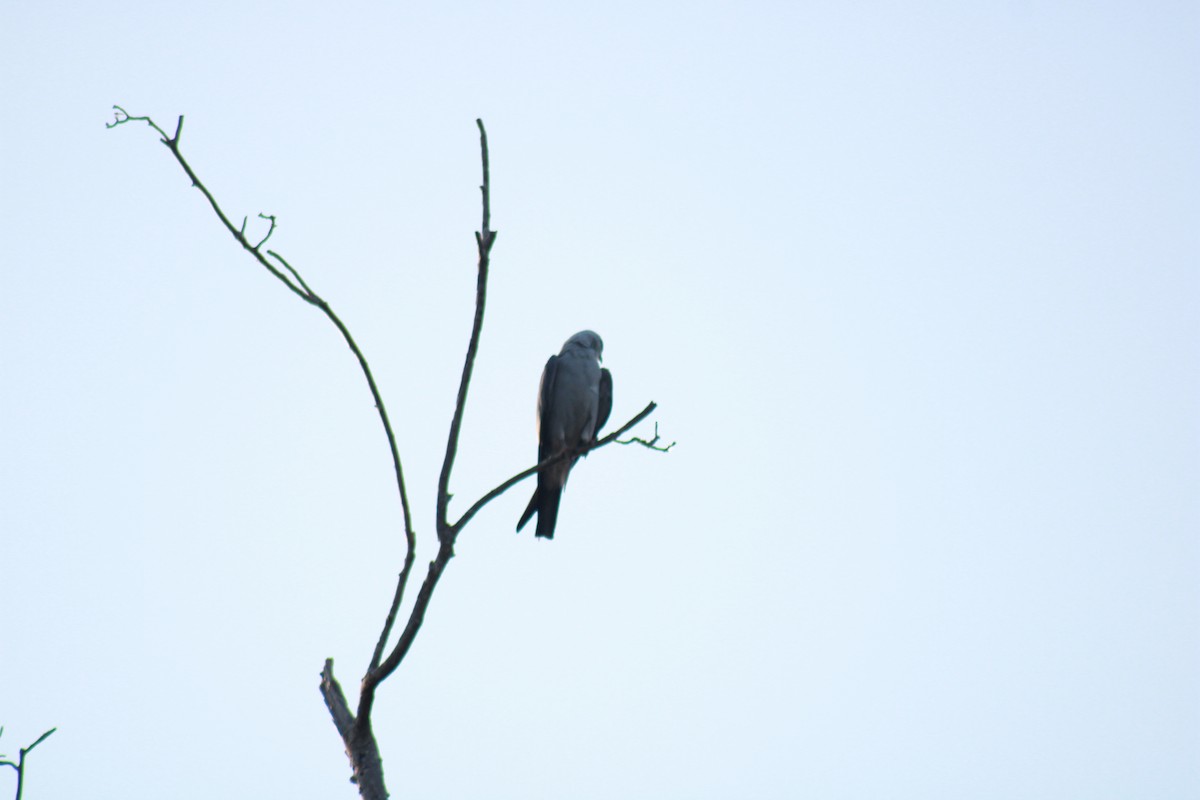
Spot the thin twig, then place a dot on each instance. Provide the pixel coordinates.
(289, 268)
(390, 620)
(652, 444)
(239, 234)
(263, 241)
(416, 618)
(39, 740)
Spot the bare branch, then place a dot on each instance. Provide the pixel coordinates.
(239, 234)
(121, 116)
(520, 476)
(380, 670)
(40, 739)
(355, 728)
(485, 229)
(360, 741)
(19, 765)
(415, 619)
(287, 266)
(390, 620)
(335, 701)
(270, 217)
(361, 747)
(652, 444)
(484, 240)
(299, 288)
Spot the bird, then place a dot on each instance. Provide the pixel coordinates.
(574, 401)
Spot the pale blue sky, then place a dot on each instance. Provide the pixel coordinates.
(916, 289)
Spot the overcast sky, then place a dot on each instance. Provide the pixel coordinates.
(914, 285)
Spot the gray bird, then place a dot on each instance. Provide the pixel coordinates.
(574, 401)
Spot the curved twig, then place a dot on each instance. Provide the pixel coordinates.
(652, 444)
(299, 288)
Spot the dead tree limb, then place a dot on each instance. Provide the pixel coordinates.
(19, 764)
(354, 727)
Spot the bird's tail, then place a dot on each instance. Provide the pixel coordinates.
(529, 509)
(548, 512)
(545, 501)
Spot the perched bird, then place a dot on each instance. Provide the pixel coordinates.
(574, 401)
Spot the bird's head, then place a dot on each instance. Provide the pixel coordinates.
(586, 340)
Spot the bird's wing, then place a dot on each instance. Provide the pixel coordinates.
(605, 407)
(529, 509)
(546, 410)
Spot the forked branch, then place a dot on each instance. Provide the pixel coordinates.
(19, 764)
(290, 277)
(355, 728)
(485, 237)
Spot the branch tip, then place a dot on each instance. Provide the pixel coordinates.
(40, 739)
(652, 444)
(271, 218)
